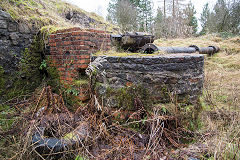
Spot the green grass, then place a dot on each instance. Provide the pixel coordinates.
(81, 82)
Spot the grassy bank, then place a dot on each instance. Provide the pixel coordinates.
(221, 95)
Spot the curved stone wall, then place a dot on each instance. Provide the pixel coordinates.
(170, 76)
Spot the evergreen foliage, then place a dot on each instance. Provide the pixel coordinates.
(131, 15)
(191, 18)
(223, 18)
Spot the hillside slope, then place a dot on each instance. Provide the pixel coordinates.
(57, 13)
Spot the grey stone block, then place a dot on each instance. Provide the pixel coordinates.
(23, 28)
(180, 74)
(14, 37)
(3, 23)
(12, 27)
(4, 15)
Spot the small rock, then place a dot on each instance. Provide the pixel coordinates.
(3, 24)
(4, 32)
(12, 27)
(147, 78)
(14, 37)
(23, 28)
(4, 15)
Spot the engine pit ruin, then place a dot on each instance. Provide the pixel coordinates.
(164, 76)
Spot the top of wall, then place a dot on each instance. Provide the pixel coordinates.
(75, 29)
(153, 59)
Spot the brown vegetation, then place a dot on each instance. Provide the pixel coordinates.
(167, 126)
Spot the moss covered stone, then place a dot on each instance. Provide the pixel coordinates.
(31, 72)
(129, 98)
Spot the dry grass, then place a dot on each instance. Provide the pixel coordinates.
(230, 46)
(90, 132)
(221, 98)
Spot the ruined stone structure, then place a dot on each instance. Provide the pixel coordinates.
(177, 75)
(70, 52)
(180, 76)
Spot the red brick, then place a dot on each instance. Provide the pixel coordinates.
(87, 61)
(61, 69)
(62, 78)
(76, 33)
(58, 40)
(74, 52)
(74, 43)
(52, 49)
(52, 36)
(78, 47)
(51, 40)
(84, 52)
(85, 33)
(85, 56)
(83, 66)
(66, 43)
(53, 53)
(77, 29)
(58, 35)
(84, 47)
(91, 30)
(59, 44)
(72, 38)
(78, 37)
(88, 43)
(81, 42)
(86, 38)
(53, 44)
(69, 79)
(81, 61)
(98, 31)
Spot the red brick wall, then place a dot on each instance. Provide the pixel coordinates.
(70, 50)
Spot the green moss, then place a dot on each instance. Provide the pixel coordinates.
(81, 82)
(49, 29)
(5, 121)
(34, 69)
(123, 54)
(27, 78)
(52, 78)
(2, 80)
(128, 97)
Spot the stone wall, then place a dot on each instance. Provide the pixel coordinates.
(14, 38)
(178, 76)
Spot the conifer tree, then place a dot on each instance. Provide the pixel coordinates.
(191, 18)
